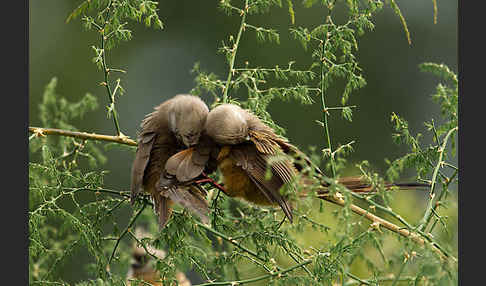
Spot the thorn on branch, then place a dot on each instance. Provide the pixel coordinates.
(375, 226)
(39, 132)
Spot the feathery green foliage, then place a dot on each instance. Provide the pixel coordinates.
(71, 209)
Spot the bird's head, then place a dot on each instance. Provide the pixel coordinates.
(187, 116)
(227, 124)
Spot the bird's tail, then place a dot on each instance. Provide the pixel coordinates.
(359, 184)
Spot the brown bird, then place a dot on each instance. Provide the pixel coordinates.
(244, 147)
(141, 267)
(174, 125)
(247, 150)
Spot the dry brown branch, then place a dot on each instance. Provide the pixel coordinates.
(82, 135)
(378, 221)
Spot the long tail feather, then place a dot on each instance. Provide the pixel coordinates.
(358, 184)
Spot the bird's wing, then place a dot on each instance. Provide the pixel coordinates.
(162, 209)
(188, 164)
(274, 150)
(183, 166)
(142, 156)
(255, 165)
(191, 198)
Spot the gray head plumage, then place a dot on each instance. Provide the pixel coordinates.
(228, 124)
(186, 117)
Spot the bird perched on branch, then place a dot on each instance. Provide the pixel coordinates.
(142, 268)
(174, 125)
(254, 161)
(244, 147)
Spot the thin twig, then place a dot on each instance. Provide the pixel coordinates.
(379, 279)
(428, 213)
(297, 261)
(267, 276)
(125, 232)
(230, 240)
(106, 83)
(354, 277)
(324, 107)
(143, 246)
(244, 11)
(400, 272)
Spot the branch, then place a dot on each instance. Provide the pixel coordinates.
(378, 221)
(106, 70)
(244, 11)
(127, 229)
(323, 102)
(230, 240)
(246, 281)
(336, 200)
(37, 131)
(379, 279)
(424, 222)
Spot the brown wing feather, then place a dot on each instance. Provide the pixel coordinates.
(190, 198)
(142, 157)
(187, 170)
(263, 142)
(183, 167)
(283, 167)
(270, 144)
(247, 157)
(176, 160)
(162, 209)
(190, 163)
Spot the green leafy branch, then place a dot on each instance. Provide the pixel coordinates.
(336, 200)
(110, 22)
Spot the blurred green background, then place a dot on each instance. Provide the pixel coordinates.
(159, 64)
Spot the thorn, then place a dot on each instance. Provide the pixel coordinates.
(123, 137)
(407, 257)
(413, 254)
(39, 132)
(376, 225)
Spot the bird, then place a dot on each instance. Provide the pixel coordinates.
(174, 125)
(244, 146)
(141, 266)
(248, 151)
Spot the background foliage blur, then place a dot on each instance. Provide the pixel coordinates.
(159, 64)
